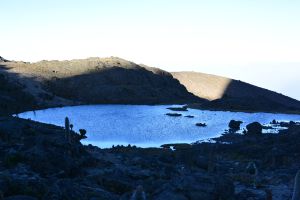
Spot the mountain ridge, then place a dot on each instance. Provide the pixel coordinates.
(114, 80)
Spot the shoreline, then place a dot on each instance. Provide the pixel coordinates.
(188, 105)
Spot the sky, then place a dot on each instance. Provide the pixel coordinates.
(257, 41)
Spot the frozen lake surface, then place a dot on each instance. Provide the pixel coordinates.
(146, 126)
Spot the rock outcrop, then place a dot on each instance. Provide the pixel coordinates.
(254, 128)
(234, 126)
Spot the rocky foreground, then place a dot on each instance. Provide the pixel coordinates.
(38, 161)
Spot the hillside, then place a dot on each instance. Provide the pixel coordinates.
(30, 86)
(90, 81)
(229, 94)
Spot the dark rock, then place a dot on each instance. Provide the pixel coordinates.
(138, 194)
(198, 187)
(184, 108)
(22, 180)
(201, 124)
(20, 197)
(174, 114)
(254, 128)
(65, 189)
(251, 194)
(189, 116)
(202, 162)
(170, 195)
(3, 60)
(234, 126)
(274, 121)
(224, 188)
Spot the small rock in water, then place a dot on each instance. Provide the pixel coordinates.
(184, 108)
(201, 124)
(174, 114)
(189, 116)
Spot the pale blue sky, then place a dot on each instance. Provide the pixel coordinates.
(253, 40)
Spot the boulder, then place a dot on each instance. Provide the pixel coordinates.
(189, 116)
(183, 108)
(274, 122)
(174, 114)
(234, 125)
(254, 128)
(201, 124)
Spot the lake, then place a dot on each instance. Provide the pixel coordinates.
(146, 126)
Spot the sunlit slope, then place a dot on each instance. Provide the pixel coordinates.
(233, 94)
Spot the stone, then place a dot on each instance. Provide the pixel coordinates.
(174, 114)
(254, 128)
(201, 124)
(234, 126)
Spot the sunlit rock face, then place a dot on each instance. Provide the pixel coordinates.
(206, 86)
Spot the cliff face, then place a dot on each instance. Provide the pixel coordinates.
(229, 94)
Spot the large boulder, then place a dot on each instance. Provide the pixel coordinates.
(234, 125)
(254, 128)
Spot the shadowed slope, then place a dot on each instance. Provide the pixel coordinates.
(120, 85)
(92, 81)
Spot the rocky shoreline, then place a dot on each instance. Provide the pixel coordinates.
(38, 162)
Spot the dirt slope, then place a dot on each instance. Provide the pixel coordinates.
(225, 93)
